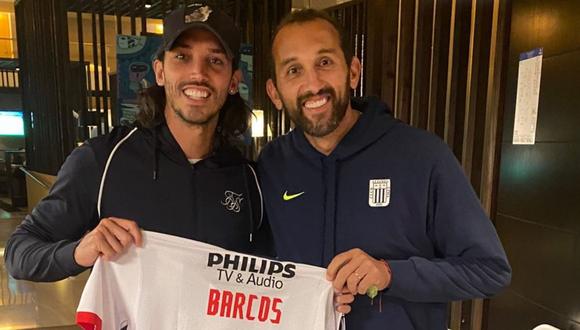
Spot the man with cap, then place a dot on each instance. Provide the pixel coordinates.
(175, 171)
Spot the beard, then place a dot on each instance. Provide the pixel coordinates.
(191, 119)
(323, 126)
(192, 115)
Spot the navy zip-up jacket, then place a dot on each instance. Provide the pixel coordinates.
(399, 194)
(148, 180)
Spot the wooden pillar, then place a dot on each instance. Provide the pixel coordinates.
(44, 59)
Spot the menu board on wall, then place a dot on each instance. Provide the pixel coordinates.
(528, 95)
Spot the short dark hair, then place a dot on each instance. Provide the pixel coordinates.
(233, 120)
(309, 15)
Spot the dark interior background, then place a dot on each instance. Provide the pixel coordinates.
(538, 205)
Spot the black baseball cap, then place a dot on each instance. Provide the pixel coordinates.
(201, 15)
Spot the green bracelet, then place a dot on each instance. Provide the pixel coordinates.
(372, 291)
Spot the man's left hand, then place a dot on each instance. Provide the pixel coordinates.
(358, 271)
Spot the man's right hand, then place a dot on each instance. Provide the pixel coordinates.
(108, 239)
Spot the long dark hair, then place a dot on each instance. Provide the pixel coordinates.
(233, 117)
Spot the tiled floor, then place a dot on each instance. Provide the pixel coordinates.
(28, 305)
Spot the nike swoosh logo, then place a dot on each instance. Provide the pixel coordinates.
(287, 197)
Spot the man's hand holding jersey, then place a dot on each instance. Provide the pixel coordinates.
(354, 272)
(109, 239)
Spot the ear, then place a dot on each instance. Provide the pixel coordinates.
(235, 82)
(273, 94)
(354, 72)
(159, 74)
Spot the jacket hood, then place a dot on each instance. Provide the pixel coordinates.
(161, 140)
(222, 153)
(375, 121)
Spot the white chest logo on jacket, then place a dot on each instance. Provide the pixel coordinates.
(379, 192)
(232, 201)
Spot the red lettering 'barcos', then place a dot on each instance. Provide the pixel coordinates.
(238, 305)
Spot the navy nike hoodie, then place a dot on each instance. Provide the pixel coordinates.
(399, 194)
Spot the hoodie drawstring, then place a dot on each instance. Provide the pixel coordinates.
(251, 207)
(106, 169)
(155, 156)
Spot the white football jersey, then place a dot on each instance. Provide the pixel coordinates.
(177, 283)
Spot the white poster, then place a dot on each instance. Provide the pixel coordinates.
(528, 94)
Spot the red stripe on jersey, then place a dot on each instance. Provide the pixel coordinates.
(89, 321)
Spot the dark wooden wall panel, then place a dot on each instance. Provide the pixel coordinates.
(538, 205)
(534, 297)
(382, 78)
(562, 122)
(405, 50)
(44, 81)
(421, 63)
(551, 24)
(439, 69)
(540, 183)
(386, 85)
(479, 96)
(476, 92)
(537, 251)
(457, 89)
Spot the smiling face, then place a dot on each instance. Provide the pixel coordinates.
(313, 80)
(197, 75)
